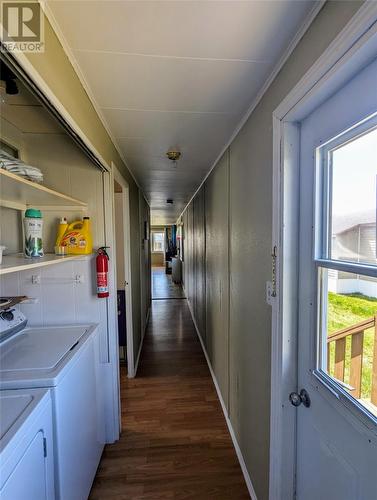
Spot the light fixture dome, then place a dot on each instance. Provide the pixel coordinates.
(173, 155)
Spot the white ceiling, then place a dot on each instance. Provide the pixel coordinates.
(175, 74)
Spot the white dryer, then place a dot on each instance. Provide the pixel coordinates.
(26, 445)
(64, 359)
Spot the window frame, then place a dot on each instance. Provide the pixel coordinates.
(153, 241)
(324, 182)
(323, 263)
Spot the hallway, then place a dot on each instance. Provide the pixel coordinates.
(163, 286)
(175, 443)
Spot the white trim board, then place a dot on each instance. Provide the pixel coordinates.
(284, 58)
(118, 177)
(112, 363)
(241, 460)
(49, 94)
(352, 48)
(141, 343)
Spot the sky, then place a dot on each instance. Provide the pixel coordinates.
(354, 176)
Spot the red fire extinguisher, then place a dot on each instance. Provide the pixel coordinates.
(102, 269)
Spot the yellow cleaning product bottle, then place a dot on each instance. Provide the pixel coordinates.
(78, 238)
(63, 224)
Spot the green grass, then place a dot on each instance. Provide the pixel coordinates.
(347, 310)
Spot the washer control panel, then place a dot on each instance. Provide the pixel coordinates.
(11, 321)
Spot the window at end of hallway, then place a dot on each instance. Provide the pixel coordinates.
(158, 242)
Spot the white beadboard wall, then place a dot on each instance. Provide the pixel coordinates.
(59, 300)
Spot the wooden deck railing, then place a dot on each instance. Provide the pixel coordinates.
(357, 351)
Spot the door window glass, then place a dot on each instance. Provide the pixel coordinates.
(353, 172)
(349, 312)
(347, 263)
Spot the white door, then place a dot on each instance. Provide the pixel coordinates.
(337, 340)
(28, 479)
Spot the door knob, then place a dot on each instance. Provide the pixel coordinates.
(297, 398)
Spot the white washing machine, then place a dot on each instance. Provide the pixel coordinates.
(26, 445)
(65, 360)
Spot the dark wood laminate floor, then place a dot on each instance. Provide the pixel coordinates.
(175, 443)
(163, 286)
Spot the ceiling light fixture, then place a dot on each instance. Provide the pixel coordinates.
(8, 84)
(173, 156)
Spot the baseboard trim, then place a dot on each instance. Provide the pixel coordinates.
(241, 460)
(142, 342)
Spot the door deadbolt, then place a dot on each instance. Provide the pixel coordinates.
(296, 399)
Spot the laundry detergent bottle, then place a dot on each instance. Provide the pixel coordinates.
(33, 225)
(78, 238)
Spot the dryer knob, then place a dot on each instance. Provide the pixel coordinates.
(7, 315)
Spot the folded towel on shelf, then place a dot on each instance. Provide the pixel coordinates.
(18, 167)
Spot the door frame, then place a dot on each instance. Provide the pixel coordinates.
(112, 326)
(127, 265)
(351, 49)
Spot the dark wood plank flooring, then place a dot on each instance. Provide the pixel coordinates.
(163, 286)
(175, 443)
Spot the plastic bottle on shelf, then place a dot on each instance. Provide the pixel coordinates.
(63, 224)
(33, 226)
(78, 238)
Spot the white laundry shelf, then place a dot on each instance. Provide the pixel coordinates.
(17, 262)
(19, 193)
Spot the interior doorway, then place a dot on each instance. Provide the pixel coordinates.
(166, 264)
(123, 273)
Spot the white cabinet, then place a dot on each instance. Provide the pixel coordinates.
(26, 445)
(28, 479)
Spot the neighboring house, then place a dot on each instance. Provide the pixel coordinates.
(354, 240)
